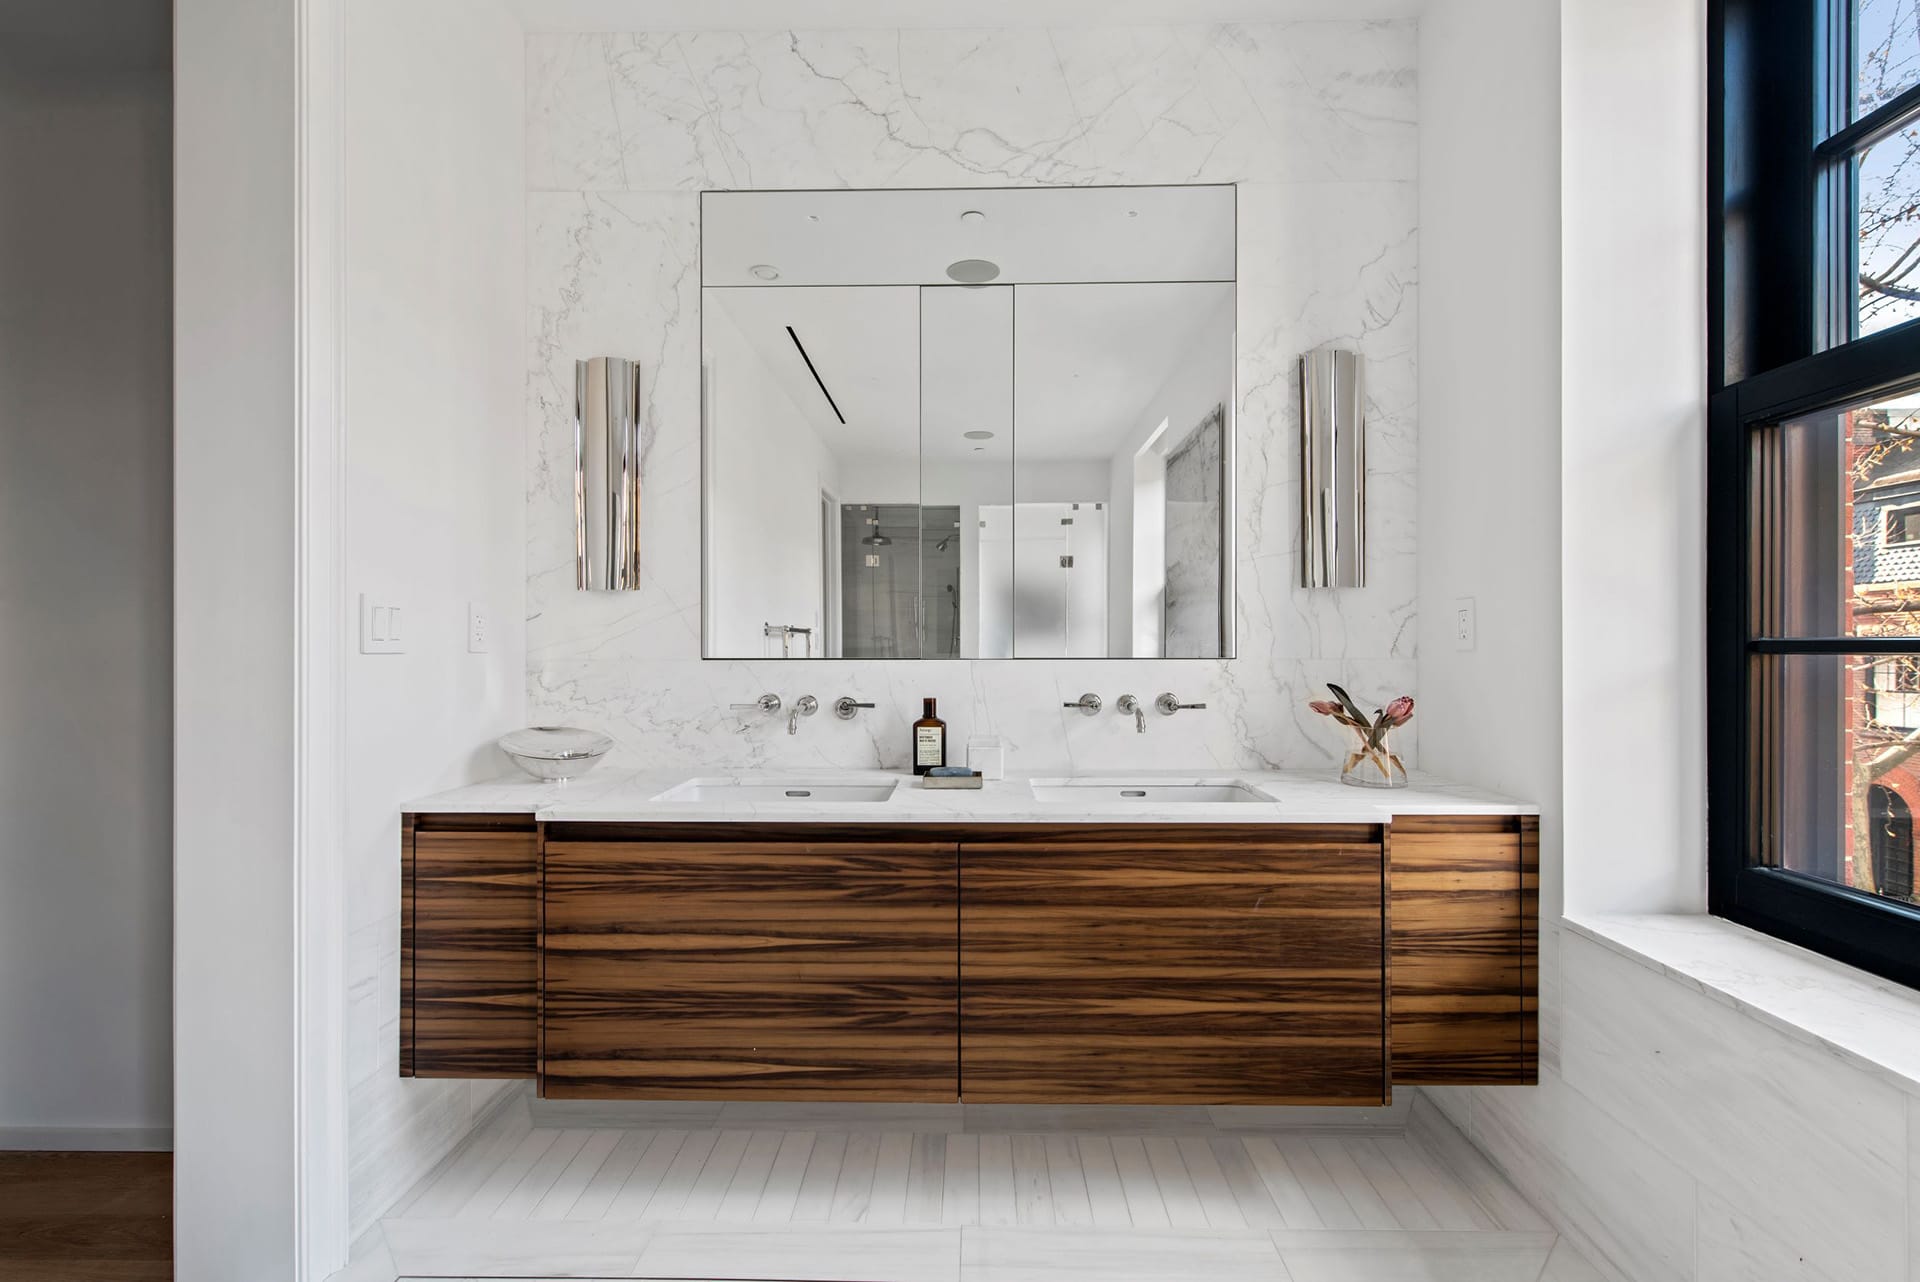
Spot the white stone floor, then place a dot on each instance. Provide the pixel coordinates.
(841, 1193)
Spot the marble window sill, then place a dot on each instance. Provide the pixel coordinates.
(1871, 1023)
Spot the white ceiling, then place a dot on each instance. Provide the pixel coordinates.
(780, 15)
(1089, 358)
(911, 236)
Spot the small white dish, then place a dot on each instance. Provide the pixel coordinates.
(555, 752)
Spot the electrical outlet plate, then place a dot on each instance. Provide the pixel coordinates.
(382, 627)
(479, 628)
(1465, 627)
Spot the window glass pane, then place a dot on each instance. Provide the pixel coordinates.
(1886, 43)
(1836, 521)
(1839, 781)
(1887, 187)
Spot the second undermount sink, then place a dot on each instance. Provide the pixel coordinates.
(1123, 792)
(742, 792)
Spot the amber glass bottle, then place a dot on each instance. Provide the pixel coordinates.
(929, 740)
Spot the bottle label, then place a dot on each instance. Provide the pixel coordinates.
(926, 746)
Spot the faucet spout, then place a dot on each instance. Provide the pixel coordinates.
(1128, 703)
(805, 706)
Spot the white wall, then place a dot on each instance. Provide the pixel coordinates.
(434, 409)
(1490, 403)
(1633, 432)
(86, 721)
(235, 326)
(1315, 120)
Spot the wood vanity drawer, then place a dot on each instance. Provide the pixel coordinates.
(776, 969)
(470, 946)
(1177, 965)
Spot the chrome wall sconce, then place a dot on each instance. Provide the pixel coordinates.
(1333, 470)
(606, 473)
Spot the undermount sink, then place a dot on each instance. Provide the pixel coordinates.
(1121, 792)
(764, 793)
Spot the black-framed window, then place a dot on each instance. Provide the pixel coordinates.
(1813, 506)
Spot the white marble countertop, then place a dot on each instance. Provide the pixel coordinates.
(615, 795)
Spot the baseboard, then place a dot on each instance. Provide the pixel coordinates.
(86, 1139)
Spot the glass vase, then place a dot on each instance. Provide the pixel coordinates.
(1373, 765)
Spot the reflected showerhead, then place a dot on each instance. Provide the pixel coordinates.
(877, 540)
(941, 546)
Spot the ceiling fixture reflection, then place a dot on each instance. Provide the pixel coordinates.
(973, 216)
(973, 271)
(764, 271)
(978, 436)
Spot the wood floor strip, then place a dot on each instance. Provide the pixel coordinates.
(814, 1203)
(782, 1191)
(1144, 1204)
(486, 1200)
(1334, 1210)
(996, 1181)
(1393, 1189)
(1337, 1158)
(1177, 1189)
(1067, 1183)
(960, 1181)
(1250, 1194)
(743, 1194)
(853, 1195)
(676, 1182)
(1283, 1186)
(454, 1187)
(716, 1176)
(891, 1170)
(637, 1193)
(926, 1178)
(1105, 1193)
(1210, 1182)
(1452, 1207)
(597, 1197)
(579, 1173)
(1032, 1182)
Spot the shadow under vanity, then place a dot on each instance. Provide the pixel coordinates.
(1064, 963)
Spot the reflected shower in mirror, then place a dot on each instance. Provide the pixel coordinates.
(969, 424)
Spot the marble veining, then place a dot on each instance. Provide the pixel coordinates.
(1314, 120)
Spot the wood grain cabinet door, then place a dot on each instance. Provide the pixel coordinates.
(782, 968)
(1465, 914)
(470, 950)
(1174, 965)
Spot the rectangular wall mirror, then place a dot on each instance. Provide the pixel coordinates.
(969, 423)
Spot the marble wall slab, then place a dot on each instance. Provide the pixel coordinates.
(1315, 121)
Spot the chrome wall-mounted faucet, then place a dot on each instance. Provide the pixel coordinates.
(1087, 703)
(1169, 705)
(846, 707)
(805, 706)
(767, 703)
(1128, 703)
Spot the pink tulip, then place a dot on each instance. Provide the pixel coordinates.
(1400, 711)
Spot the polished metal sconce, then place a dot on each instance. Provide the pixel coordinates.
(606, 473)
(1333, 471)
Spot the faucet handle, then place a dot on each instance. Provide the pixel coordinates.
(767, 703)
(1088, 703)
(846, 706)
(1169, 705)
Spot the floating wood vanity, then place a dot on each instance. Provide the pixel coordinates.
(1034, 962)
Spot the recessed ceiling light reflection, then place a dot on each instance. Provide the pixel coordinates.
(978, 436)
(764, 271)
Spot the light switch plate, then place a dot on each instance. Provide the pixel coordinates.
(479, 628)
(1465, 627)
(382, 627)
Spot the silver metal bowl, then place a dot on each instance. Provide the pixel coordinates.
(555, 752)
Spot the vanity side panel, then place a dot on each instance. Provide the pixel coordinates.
(1138, 965)
(406, 945)
(1464, 892)
(473, 900)
(703, 967)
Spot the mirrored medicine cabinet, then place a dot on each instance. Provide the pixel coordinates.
(968, 423)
